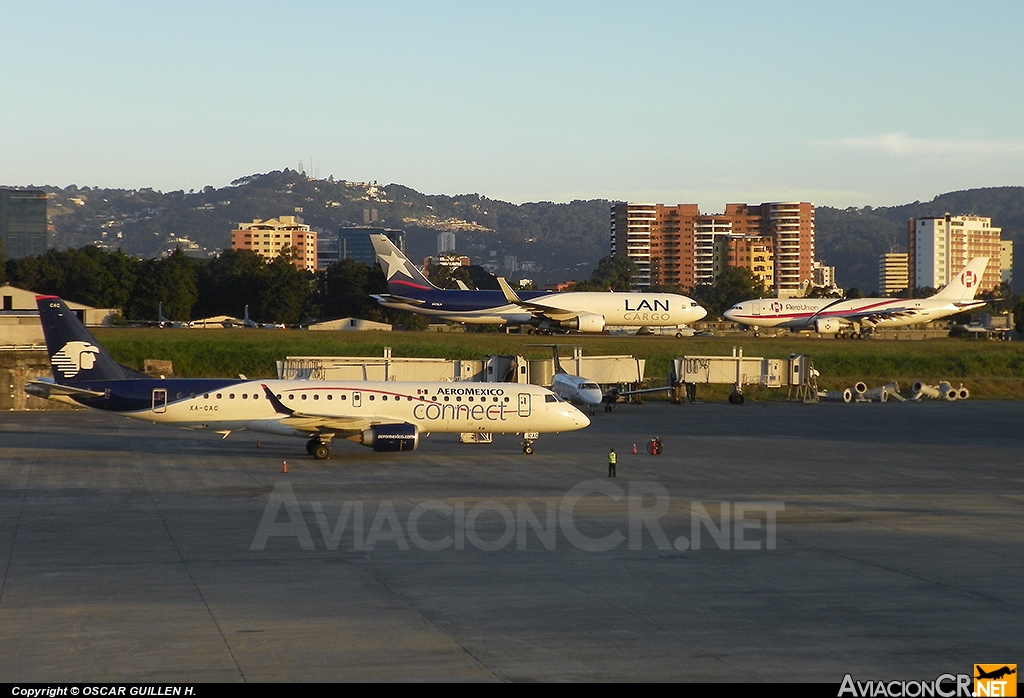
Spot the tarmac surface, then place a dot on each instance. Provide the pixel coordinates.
(882, 540)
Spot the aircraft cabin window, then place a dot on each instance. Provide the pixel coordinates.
(495, 398)
(383, 397)
(458, 398)
(219, 396)
(447, 399)
(206, 396)
(231, 396)
(344, 396)
(329, 396)
(304, 396)
(316, 396)
(244, 396)
(470, 398)
(371, 397)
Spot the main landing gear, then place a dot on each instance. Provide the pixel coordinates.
(319, 448)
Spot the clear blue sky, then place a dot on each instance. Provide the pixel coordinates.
(839, 103)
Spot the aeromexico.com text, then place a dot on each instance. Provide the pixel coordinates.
(593, 516)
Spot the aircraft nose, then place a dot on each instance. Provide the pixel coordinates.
(730, 313)
(576, 419)
(700, 313)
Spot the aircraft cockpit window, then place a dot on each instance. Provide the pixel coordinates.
(590, 386)
(550, 398)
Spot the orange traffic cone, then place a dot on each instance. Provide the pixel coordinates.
(284, 467)
(634, 449)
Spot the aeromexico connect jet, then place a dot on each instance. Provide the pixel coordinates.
(386, 416)
(862, 315)
(583, 311)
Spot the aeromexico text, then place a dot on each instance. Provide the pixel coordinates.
(470, 391)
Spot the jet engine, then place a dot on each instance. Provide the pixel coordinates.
(585, 322)
(827, 325)
(390, 437)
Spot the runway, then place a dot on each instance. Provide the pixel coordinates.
(885, 541)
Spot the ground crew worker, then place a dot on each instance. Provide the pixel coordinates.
(611, 463)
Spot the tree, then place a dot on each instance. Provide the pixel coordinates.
(614, 273)
(287, 293)
(734, 285)
(231, 281)
(172, 281)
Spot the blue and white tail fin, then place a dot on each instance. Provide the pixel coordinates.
(964, 285)
(75, 355)
(402, 275)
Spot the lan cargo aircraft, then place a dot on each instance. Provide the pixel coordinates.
(386, 416)
(862, 315)
(583, 311)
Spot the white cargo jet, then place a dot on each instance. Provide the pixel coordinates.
(386, 416)
(857, 318)
(582, 311)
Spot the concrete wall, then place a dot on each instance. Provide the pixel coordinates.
(17, 368)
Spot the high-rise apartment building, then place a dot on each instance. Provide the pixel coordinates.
(23, 222)
(445, 242)
(753, 252)
(939, 247)
(676, 245)
(267, 239)
(893, 273)
(354, 243)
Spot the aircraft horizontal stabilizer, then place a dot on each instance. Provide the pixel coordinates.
(46, 388)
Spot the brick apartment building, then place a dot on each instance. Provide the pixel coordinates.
(679, 246)
(267, 238)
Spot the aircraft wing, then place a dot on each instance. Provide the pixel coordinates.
(547, 311)
(309, 421)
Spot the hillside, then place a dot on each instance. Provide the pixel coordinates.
(552, 242)
(853, 239)
(562, 240)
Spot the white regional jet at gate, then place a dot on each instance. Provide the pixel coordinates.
(386, 416)
(583, 311)
(862, 315)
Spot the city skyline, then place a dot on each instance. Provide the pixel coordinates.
(844, 105)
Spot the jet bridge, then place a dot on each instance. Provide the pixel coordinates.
(795, 372)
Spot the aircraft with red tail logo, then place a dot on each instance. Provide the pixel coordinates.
(856, 318)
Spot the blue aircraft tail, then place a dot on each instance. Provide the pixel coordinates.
(402, 275)
(75, 355)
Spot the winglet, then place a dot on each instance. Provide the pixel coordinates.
(510, 295)
(278, 405)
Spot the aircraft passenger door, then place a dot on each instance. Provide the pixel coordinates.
(159, 401)
(755, 308)
(357, 399)
(524, 404)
